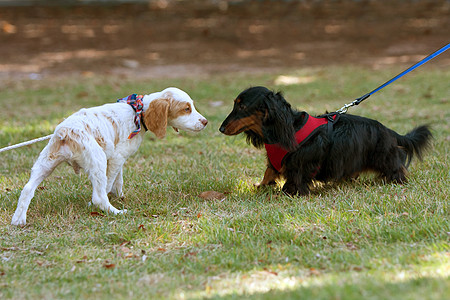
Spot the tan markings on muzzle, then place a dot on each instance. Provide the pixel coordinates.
(248, 123)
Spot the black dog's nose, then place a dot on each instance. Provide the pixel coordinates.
(222, 129)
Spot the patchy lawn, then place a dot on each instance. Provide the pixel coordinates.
(352, 240)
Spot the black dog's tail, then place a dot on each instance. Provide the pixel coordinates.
(415, 142)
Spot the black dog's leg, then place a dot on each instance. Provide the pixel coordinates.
(270, 175)
(297, 182)
(303, 165)
(397, 176)
(391, 167)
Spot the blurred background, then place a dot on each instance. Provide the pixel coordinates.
(175, 38)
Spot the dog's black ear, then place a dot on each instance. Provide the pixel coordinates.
(279, 121)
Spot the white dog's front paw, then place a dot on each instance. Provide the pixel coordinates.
(116, 211)
(18, 220)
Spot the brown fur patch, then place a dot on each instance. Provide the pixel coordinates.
(269, 177)
(404, 174)
(54, 149)
(155, 117)
(88, 128)
(116, 133)
(115, 128)
(178, 109)
(252, 122)
(67, 137)
(99, 139)
(76, 167)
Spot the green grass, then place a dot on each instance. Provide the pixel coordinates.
(352, 240)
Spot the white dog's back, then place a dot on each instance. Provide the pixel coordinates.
(108, 125)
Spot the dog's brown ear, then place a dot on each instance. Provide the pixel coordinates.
(155, 117)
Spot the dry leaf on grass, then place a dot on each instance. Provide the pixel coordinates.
(83, 260)
(314, 271)
(125, 243)
(96, 214)
(212, 195)
(270, 272)
(109, 265)
(39, 262)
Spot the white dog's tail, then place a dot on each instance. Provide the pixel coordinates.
(65, 142)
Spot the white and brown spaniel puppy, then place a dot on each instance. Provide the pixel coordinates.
(100, 139)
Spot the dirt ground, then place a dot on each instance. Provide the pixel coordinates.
(192, 39)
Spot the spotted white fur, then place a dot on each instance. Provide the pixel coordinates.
(96, 140)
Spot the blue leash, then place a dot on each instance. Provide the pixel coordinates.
(357, 101)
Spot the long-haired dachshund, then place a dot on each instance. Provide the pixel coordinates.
(331, 147)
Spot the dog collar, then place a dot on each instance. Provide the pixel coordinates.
(135, 101)
(276, 153)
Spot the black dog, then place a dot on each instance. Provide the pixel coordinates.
(331, 147)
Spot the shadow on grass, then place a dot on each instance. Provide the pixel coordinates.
(358, 288)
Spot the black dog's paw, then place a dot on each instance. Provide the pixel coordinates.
(293, 190)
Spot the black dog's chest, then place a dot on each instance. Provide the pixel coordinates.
(276, 153)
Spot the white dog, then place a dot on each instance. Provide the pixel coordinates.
(100, 139)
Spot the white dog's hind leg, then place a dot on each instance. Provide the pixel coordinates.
(95, 164)
(117, 185)
(42, 168)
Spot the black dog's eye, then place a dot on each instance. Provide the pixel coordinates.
(242, 106)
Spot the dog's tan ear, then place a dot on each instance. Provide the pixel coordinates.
(155, 117)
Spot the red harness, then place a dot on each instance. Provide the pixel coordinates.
(276, 153)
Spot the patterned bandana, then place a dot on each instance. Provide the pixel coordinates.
(136, 103)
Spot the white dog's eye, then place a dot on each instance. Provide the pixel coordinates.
(187, 109)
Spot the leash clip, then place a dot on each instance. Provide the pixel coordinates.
(357, 101)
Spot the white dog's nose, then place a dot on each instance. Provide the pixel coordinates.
(203, 121)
